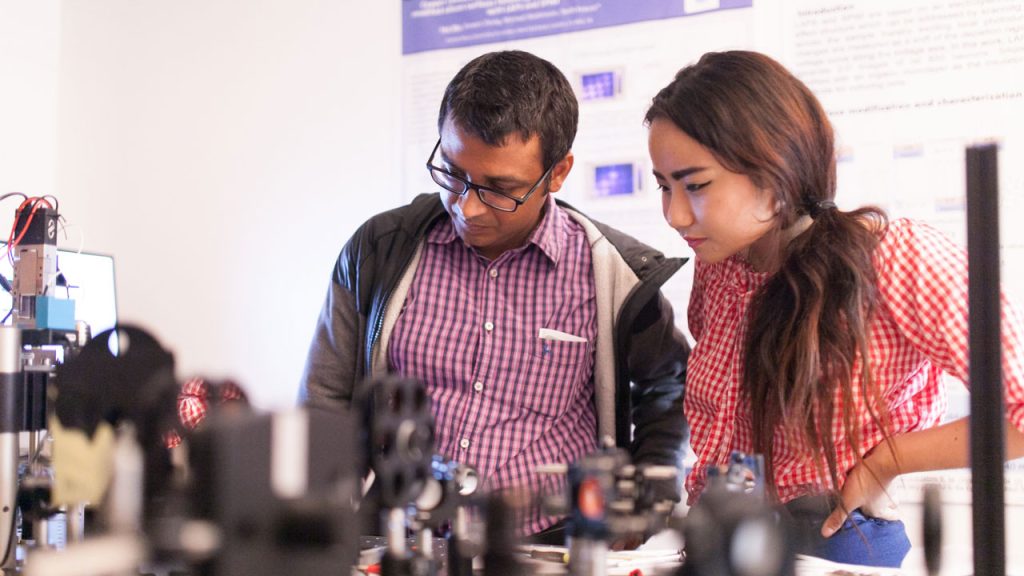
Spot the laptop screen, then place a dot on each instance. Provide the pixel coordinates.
(89, 282)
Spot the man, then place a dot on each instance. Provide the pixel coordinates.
(526, 321)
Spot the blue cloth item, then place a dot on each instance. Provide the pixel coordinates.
(866, 540)
(862, 539)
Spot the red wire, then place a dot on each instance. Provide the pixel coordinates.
(11, 240)
(31, 215)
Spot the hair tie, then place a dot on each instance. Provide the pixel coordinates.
(818, 208)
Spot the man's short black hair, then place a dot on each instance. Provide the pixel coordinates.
(501, 93)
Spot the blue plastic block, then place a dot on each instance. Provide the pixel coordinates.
(55, 313)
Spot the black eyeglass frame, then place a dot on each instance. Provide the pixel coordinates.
(466, 184)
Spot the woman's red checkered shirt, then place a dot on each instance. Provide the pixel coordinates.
(920, 331)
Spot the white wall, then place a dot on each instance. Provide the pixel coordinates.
(29, 47)
(222, 151)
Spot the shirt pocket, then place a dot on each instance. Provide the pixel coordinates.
(556, 373)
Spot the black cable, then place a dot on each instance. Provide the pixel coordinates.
(62, 281)
(56, 203)
(9, 194)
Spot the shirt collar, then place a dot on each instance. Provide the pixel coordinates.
(548, 236)
(742, 277)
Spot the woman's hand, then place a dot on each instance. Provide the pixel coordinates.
(867, 488)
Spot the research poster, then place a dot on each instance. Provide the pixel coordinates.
(908, 86)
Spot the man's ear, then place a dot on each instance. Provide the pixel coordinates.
(559, 172)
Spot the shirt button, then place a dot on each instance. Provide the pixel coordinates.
(464, 443)
(478, 386)
(488, 326)
(493, 272)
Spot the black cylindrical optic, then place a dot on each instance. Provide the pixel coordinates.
(988, 450)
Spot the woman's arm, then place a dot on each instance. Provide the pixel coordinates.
(923, 285)
(939, 448)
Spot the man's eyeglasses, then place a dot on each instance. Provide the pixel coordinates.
(494, 198)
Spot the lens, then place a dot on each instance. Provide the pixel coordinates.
(448, 182)
(498, 201)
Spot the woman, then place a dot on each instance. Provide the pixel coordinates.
(821, 334)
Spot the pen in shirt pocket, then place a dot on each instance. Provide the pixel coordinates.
(558, 336)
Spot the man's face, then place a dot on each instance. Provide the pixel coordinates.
(512, 168)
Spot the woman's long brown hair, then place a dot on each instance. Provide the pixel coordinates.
(809, 322)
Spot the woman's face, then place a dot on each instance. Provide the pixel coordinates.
(717, 212)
